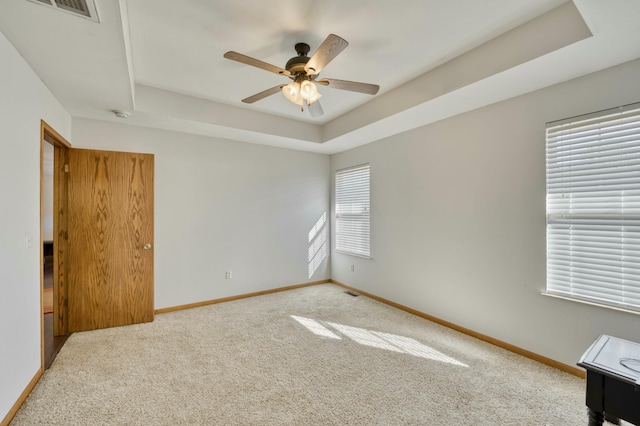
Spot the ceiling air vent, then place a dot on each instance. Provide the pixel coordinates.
(85, 8)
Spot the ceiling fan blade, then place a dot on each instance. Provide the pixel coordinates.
(353, 86)
(328, 50)
(239, 57)
(315, 109)
(263, 94)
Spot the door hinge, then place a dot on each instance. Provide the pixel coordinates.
(66, 168)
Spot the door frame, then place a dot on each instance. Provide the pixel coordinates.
(60, 145)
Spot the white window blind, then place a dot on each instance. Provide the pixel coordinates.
(593, 207)
(352, 210)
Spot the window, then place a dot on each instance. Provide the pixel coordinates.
(593, 208)
(352, 210)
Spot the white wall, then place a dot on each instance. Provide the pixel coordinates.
(24, 101)
(222, 205)
(458, 220)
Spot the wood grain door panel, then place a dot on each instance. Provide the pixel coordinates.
(60, 208)
(110, 219)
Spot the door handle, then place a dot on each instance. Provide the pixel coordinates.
(147, 246)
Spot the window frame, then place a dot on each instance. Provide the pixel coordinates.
(593, 208)
(356, 214)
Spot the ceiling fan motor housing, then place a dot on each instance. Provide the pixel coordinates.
(296, 64)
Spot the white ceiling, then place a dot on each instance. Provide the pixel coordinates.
(162, 60)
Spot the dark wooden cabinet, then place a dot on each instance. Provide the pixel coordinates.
(613, 380)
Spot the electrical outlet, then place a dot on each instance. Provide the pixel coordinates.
(353, 268)
(28, 240)
(228, 275)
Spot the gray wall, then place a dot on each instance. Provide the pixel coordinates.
(24, 101)
(458, 220)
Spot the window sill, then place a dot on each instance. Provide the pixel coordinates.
(353, 254)
(586, 302)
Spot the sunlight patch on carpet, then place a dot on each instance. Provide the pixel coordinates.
(315, 327)
(377, 339)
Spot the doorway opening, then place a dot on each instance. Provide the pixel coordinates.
(52, 189)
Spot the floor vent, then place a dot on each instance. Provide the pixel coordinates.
(352, 293)
(84, 8)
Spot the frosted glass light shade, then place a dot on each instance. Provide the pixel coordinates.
(315, 98)
(308, 90)
(292, 92)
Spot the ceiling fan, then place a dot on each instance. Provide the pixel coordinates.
(304, 71)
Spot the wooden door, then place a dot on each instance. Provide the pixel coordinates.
(110, 226)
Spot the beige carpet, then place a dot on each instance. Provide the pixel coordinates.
(311, 356)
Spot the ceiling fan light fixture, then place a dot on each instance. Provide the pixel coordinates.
(301, 93)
